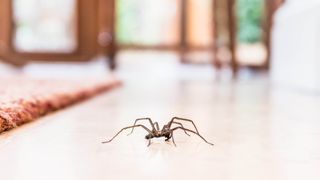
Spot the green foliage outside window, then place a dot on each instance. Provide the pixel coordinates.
(250, 17)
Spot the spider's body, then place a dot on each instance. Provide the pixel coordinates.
(166, 131)
(156, 134)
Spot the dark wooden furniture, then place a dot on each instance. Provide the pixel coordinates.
(229, 20)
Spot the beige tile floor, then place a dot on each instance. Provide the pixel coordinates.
(259, 131)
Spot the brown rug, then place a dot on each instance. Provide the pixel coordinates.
(23, 100)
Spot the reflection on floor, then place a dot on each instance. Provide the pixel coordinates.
(259, 131)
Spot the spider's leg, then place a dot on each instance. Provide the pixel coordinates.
(183, 119)
(173, 139)
(191, 132)
(156, 125)
(141, 119)
(149, 142)
(139, 125)
(181, 126)
(167, 139)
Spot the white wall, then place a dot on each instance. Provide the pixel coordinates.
(295, 60)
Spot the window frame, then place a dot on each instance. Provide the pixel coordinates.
(86, 36)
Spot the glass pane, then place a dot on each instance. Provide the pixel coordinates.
(45, 25)
(148, 22)
(250, 46)
(200, 22)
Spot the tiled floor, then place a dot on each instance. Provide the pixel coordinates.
(259, 131)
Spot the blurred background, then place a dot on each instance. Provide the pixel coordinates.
(228, 38)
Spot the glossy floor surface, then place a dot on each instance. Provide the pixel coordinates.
(260, 131)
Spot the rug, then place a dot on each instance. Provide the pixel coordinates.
(23, 99)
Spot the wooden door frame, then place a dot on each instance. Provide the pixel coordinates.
(106, 31)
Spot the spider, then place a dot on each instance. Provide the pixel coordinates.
(166, 131)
